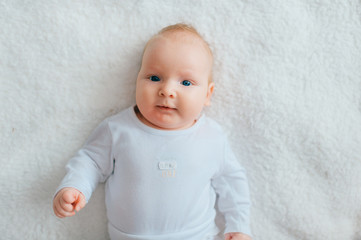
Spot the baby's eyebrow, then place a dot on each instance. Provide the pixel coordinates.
(152, 67)
(187, 72)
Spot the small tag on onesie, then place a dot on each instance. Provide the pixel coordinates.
(167, 165)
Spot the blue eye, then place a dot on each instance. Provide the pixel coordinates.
(186, 83)
(154, 78)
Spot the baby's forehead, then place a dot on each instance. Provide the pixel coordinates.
(180, 37)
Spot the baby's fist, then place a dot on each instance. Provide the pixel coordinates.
(67, 201)
(236, 236)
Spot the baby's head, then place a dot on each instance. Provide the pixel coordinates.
(186, 33)
(175, 79)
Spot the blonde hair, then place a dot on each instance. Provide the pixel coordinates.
(182, 27)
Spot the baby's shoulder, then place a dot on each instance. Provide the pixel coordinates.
(120, 119)
(118, 116)
(213, 127)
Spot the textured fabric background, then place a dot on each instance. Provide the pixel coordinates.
(288, 93)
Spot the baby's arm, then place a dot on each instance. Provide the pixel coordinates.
(67, 201)
(231, 185)
(236, 236)
(93, 163)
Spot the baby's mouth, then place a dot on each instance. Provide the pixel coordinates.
(165, 108)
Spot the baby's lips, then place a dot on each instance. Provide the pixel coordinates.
(166, 106)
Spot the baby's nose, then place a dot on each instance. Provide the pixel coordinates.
(167, 90)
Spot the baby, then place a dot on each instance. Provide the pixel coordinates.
(164, 162)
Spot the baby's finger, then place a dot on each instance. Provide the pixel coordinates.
(80, 203)
(68, 207)
(69, 196)
(64, 207)
(60, 212)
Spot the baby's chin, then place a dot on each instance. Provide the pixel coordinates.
(168, 122)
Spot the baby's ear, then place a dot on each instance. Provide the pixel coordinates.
(209, 94)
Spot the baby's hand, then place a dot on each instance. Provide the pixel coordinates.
(236, 236)
(67, 201)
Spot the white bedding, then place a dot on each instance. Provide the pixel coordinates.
(288, 93)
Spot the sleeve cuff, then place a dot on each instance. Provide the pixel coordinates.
(239, 226)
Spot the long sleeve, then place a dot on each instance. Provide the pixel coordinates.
(92, 164)
(231, 186)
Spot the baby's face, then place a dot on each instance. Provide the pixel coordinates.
(173, 82)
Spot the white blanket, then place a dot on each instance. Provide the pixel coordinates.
(288, 93)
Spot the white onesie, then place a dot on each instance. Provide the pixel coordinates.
(162, 184)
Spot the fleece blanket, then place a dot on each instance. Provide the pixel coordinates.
(288, 94)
